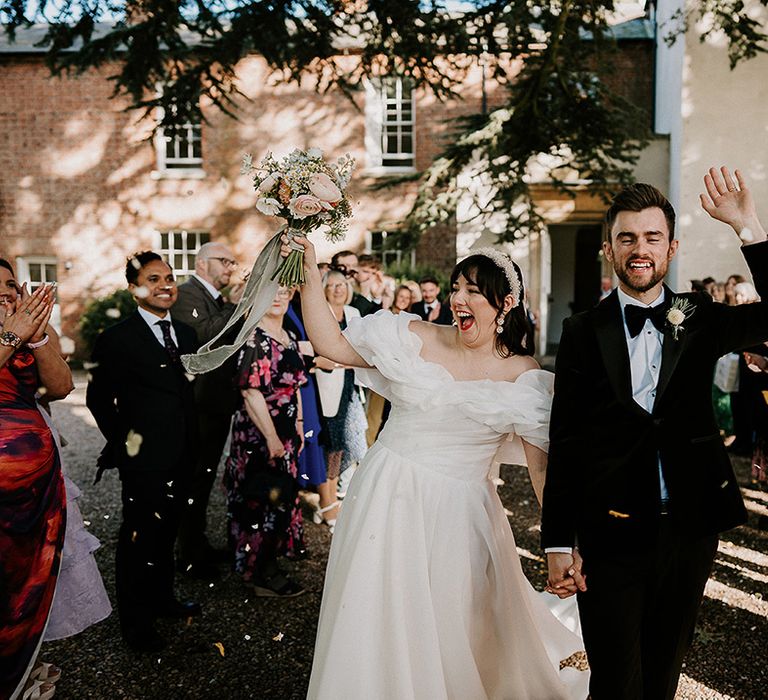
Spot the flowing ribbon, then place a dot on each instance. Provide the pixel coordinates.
(257, 297)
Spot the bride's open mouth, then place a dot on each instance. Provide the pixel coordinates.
(465, 320)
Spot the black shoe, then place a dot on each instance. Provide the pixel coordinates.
(178, 610)
(144, 639)
(277, 585)
(200, 570)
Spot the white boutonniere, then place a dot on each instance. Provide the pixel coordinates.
(679, 312)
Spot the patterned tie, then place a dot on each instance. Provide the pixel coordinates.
(170, 346)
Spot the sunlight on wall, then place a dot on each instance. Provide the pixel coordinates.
(81, 147)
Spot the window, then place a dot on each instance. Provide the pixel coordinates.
(179, 149)
(383, 244)
(389, 137)
(36, 270)
(180, 250)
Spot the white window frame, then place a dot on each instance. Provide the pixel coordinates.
(170, 251)
(377, 121)
(388, 257)
(23, 264)
(179, 167)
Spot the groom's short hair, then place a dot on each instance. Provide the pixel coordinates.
(636, 198)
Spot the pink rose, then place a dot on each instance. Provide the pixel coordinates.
(305, 205)
(324, 188)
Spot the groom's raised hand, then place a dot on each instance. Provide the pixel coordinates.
(565, 577)
(729, 200)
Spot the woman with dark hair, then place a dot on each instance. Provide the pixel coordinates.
(423, 557)
(32, 497)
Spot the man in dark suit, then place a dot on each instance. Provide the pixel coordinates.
(638, 476)
(365, 273)
(201, 306)
(430, 308)
(143, 404)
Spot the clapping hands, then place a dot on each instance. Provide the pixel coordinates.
(31, 314)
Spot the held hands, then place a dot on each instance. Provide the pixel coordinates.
(565, 577)
(731, 202)
(32, 313)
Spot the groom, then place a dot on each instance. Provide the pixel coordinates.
(638, 476)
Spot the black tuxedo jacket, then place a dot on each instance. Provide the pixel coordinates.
(602, 486)
(215, 391)
(135, 386)
(444, 316)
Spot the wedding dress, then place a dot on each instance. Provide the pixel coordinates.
(425, 597)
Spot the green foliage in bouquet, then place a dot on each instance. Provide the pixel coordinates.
(104, 312)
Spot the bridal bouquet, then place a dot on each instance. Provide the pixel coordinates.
(309, 193)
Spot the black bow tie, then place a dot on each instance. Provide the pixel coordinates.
(636, 316)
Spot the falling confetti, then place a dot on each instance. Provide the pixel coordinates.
(247, 637)
(42, 391)
(169, 483)
(134, 535)
(90, 365)
(190, 501)
(210, 585)
(220, 647)
(247, 547)
(106, 517)
(133, 443)
(86, 522)
(157, 515)
(135, 262)
(194, 313)
(141, 292)
(190, 377)
(278, 637)
(113, 312)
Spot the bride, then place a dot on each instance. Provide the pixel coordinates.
(425, 598)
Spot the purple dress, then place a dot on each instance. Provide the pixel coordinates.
(261, 527)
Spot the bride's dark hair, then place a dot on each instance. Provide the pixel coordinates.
(490, 279)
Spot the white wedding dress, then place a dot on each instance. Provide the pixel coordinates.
(425, 598)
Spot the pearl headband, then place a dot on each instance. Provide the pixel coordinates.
(508, 267)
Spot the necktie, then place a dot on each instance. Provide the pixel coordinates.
(636, 317)
(170, 346)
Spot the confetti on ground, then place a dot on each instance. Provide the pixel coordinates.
(220, 647)
(86, 522)
(106, 517)
(278, 637)
(247, 637)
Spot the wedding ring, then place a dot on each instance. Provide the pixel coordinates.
(571, 572)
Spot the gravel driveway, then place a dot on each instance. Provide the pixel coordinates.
(262, 648)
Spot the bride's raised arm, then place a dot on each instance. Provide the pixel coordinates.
(319, 322)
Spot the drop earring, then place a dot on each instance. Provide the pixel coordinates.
(500, 323)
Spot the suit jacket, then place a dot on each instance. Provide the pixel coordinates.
(135, 386)
(364, 305)
(330, 385)
(602, 486)
(215, 391)
(444, 316)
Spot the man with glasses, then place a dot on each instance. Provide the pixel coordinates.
(202, 306)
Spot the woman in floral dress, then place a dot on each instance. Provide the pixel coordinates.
(262, 468)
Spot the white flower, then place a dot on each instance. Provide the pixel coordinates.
(314, 153)
(675, 317)
(268, 206)
(269, 182)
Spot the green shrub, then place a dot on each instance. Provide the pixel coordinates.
(103, 313)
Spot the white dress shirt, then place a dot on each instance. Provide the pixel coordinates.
(152, 321)
(645, 363)
(215, 293)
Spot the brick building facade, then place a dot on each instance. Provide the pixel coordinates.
(83, 184)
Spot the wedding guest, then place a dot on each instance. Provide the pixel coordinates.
(339, 394)
(262, 468)
(430, 308)
(638, 483)
(718, 292)
(201, 305)
(730, 284)
(144, 406)
(756, 384)
(403, 299)
(369, 280)
(32, 496)
(348, 262)
(312, 469)
(389, 284)
(413, 285)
